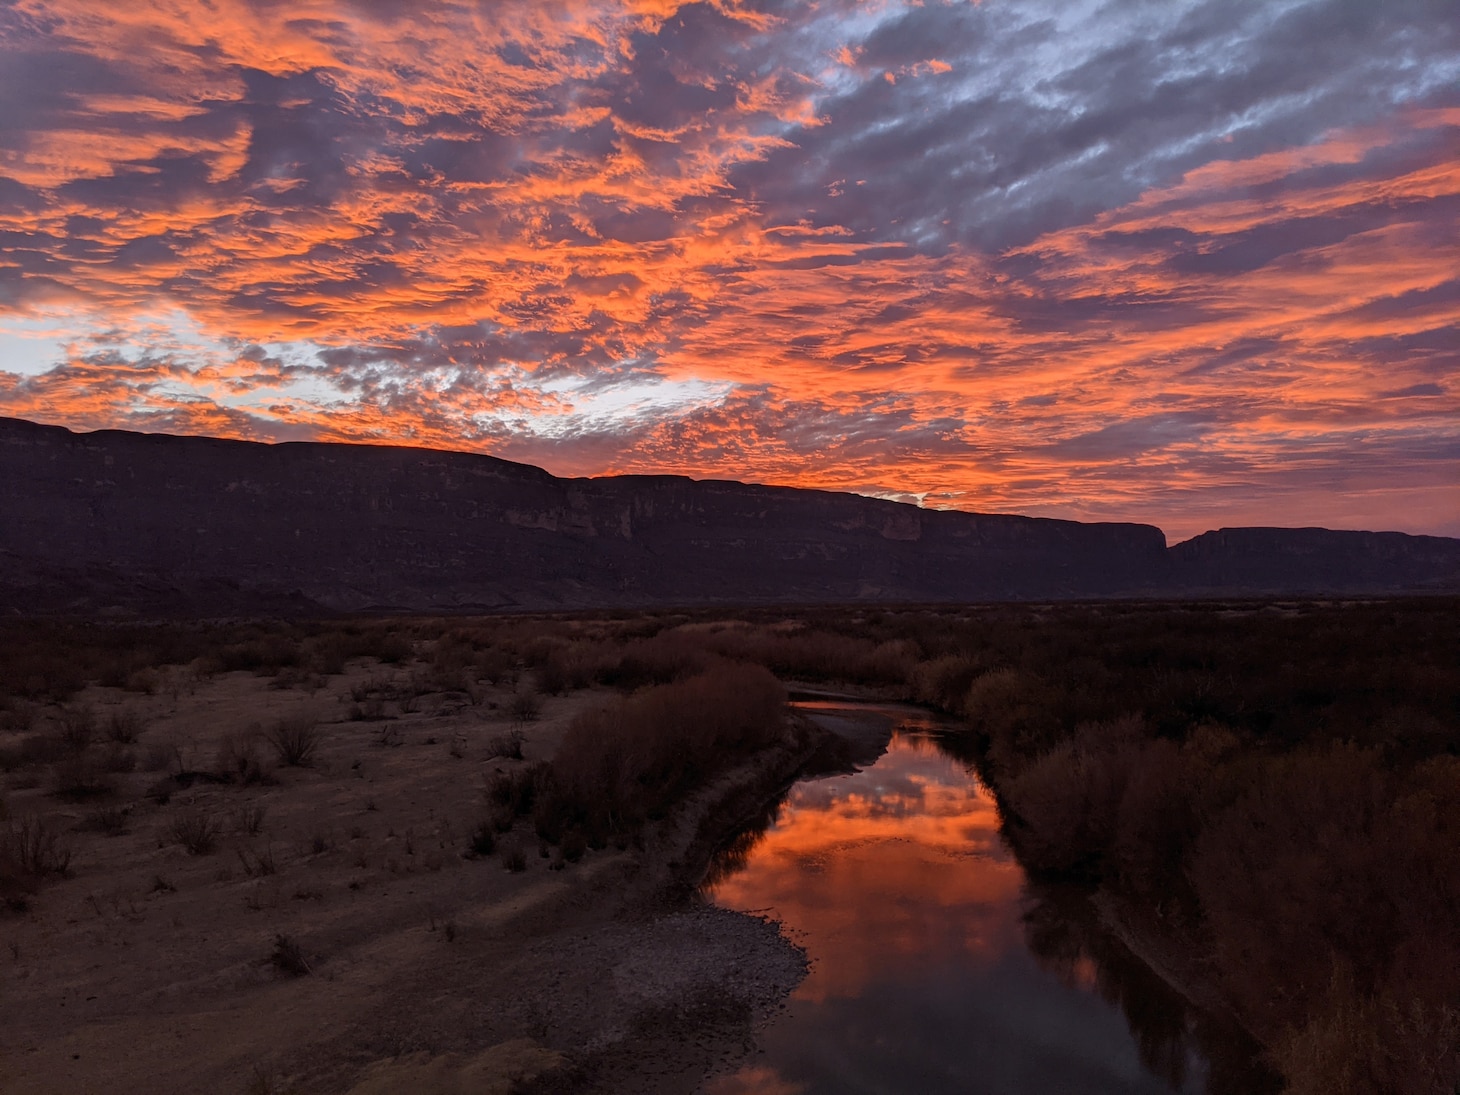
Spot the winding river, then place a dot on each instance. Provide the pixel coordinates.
(936, 966)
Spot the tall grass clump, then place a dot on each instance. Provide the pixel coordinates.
(630, 761)
(295, 740)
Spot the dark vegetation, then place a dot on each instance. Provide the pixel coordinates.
(1272, 790)
(288, 957)
(627, 763)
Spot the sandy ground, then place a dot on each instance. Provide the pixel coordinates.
(429, 970)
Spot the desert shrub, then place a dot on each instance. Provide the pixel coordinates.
(288, 958)
(1333, 875)
(811, 654)
(238, 759)
(525, 707)
(944, 682)
(492, 665)
(628, 762)
(111, 820)
(77, 727)
(80, 776)
(35, 848)
(249, 819)
(551, 677)
(661, 659)
(39, 667)
(483, 841)
(147, 681)
(1290, 797)
(1069, 798)
(1358, 1045)
(516, 791)
(124, 727)
(295, 741)
(1156, 820)
(574, 845)
(514, 859)
(1005, 706)
(565, 666)
(507, 745)
(196, 830)
(264, 655)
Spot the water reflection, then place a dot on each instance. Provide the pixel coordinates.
(934, 967)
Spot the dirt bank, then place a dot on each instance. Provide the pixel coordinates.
(335, 933)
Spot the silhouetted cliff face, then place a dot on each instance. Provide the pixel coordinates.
(1315, 560)
(176, 524)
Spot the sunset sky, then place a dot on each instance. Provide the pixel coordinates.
(1192, 263)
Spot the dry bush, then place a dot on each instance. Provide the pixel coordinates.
(507, 745)
(944, 682)
(31, 750)
(1002, 704)
(483, 840)
(1069, 798)
(196, 830)
(517, 790)
(525, 707)
(148, 682)
(257, 864)
(111, 820)
(1355, 1046)
(263, 655)
(812, 654)
(77, 727)
(621, 765)
(1333, 875)
(1156, 820)
(239, 759)
(80, 776)
(250, 819)
(564, 666)
(288, 957)
(124, 727)
(514, 859)
(35, 849)
(295, 740)
(661, 659)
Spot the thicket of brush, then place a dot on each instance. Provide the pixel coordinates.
(1278, 786)
(629, 761)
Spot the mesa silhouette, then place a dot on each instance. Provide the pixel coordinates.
(160, 524)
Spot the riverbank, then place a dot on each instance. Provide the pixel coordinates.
(335, 929)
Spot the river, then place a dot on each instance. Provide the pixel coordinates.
(935, 965)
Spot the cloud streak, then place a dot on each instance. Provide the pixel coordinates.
(1188, 262)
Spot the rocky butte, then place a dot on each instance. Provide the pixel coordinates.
(150, 523)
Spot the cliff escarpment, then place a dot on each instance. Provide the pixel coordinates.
(157, 523)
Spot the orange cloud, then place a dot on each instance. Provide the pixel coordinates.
(616, 236)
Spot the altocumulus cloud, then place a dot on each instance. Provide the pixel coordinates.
(1190, 262)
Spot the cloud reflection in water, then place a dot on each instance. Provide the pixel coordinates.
(912, 911)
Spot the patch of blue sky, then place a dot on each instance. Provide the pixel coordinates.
(597, 408)
(30, 347)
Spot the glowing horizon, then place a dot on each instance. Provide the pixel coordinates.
(1191, 264)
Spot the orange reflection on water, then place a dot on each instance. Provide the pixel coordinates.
(880, 869)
